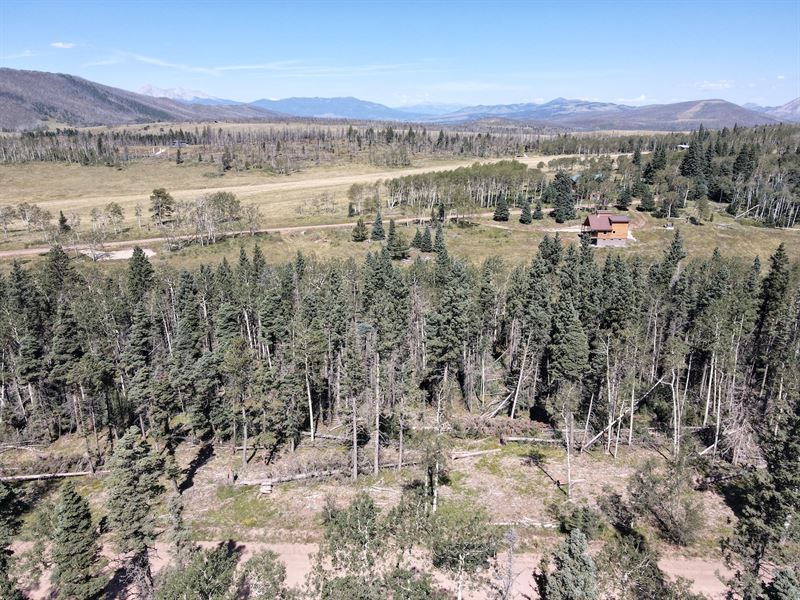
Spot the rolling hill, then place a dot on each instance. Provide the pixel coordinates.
(585, 115)
(30, 98)
(788, 112)
(336, 108)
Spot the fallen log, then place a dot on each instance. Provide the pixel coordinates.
(43, 476)
(458, 456)
(532, 440)
(323, 436)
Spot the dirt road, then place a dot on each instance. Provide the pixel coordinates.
(296, 182)
(154, 241)
(297, 559)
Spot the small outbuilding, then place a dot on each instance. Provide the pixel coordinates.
(606, 228)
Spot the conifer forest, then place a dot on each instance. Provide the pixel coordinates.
(257, 359)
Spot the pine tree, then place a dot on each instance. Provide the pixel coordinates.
(501, 209)
(179, 533)
(692, 163)
(426, 245)
(538, 214)
(9, 525)
(574, 575)
(569, 346)
(559, 193)
(637, 157)
(525, 216)
(63, 225)
(395, 243)
(438, 244)
(646, 201)
(140, 275)
(378, 234)
(416, 241)
(132, 487)
(360, 231)
(66, 350)
(74, 552)
(624, 200)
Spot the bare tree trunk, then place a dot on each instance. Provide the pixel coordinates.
(376, 467)
(310, 403)
(521, 375)
(244, 440)
(354, 474)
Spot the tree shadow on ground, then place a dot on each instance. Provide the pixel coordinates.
(203, 456)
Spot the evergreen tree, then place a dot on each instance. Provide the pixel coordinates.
(569, 346)
(426, 244)
(162, 205)
(416, 241)
(140, 275)
(770, 502)
(559, 193)
(9, 525)
(395, 243)
(646, 201)
(659, 160)
(501, 209)
(66, 350)
(574, 575)
(63, 225)
(438, 244)
(378, 234)
(624, 200)
(360, 231)
(74, 551)
(637, 157)
(525, 216)
(538, 215)
(133, 486)
(179, 533)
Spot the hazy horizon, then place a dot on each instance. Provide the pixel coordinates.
(411, 53)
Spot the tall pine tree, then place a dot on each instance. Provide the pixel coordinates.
(76, 570)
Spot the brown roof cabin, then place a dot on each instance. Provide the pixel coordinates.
(607, 229)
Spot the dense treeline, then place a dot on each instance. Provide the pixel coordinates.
(705, 351)
(281, 149)
(754, 171)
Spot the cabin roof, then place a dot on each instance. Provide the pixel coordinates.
(604, 220)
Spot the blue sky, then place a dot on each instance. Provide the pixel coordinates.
(400, 53)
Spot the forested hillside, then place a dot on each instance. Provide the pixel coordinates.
(701, 351)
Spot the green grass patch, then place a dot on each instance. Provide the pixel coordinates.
(238, 507)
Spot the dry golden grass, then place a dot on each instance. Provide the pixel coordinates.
(280, 198)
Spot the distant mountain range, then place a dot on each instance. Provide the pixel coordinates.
(337, 108)
(563, 112)
(29, 99)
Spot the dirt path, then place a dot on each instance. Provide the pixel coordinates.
(294, 182)
(637, 222)
(297, 559)
(21, 252)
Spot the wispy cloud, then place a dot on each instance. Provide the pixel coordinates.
(720, 84)
(63, 45)
(781, 77)
(286, 68)
(23, 54)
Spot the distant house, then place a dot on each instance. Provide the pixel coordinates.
(606, 228)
